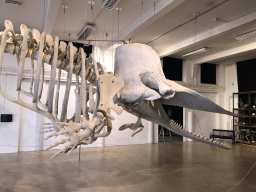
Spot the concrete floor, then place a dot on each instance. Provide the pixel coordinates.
(185, 167)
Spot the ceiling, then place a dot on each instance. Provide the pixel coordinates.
(171, 27)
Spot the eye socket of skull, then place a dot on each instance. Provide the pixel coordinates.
(153, 81)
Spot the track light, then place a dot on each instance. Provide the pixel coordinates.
(246, 36)
(197, 52)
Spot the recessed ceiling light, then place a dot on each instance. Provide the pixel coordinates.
(64, 6)
(246, 36)
(91, 2)
(119, 9)
(196, 52)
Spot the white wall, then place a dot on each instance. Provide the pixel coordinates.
(204, 122)
(230, 87)
(227, 82)
(9, 132)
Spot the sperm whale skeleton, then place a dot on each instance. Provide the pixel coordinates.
(138, 86)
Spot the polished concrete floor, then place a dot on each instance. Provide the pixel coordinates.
(175, 166)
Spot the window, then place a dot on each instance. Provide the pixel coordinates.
(172, 68)
(208, 73)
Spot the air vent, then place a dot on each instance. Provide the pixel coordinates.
(109, 4)
(15, 2)
(86, 31)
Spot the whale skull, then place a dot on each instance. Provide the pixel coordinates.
(140, 68)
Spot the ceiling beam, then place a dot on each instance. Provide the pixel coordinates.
(52, 8)
(246, 49)
(163, 7)
(221, 30)
(150, 17)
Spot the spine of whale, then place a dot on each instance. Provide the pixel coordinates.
(43, 49)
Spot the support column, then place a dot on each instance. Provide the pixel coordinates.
(101, 140)
(189, 125)
(151, 132)
(39, 136)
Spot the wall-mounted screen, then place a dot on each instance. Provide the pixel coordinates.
(6, 117)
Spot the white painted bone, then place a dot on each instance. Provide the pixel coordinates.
(156, 113)
(38, 69)
(136, 127)
(50, 94)
(63, 116)
(188, 98)
(49, 40)
(23, 54)
(140, 68)
(8, 24)
(36, 36)
(109, 86)
(91, 99)
(62, 46)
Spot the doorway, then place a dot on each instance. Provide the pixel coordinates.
(175, 113)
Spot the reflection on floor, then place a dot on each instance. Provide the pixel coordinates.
(184, 167)
(169, 138)
(165, 135)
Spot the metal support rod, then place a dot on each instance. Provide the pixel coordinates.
(104, 40)
(79, 153)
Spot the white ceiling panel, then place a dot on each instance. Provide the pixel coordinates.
(170, 32)
(30, 13)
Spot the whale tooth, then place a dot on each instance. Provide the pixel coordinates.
(198, 135)
(211, 140)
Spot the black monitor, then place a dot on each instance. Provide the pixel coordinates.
(6, 117)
